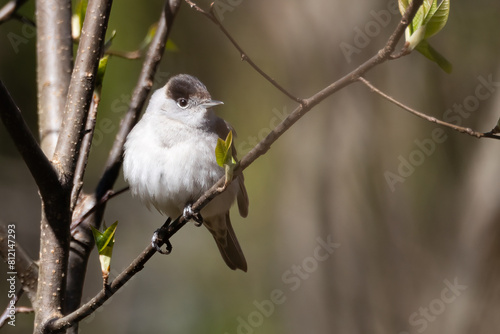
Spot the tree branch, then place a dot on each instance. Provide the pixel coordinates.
(81, 89)
(460, 129)
(244, 56)
(54, 62)
(89, 307)
(80, 218)
(91, 207)
(141, 91)
(170, 228)
(81, 164)
(18, 309)
(40, 167)
(56, 215)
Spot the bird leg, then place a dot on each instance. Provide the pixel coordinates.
(189, 214)
(157, 239)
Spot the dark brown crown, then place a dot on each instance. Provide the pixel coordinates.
(187, 87)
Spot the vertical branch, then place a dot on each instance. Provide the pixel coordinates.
(85, 150)
(83, 242)
(56, 215)
(81, 88)
(141, 91)
(54, 62)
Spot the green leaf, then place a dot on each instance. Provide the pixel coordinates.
(429, 52)
(78, 17)
(107, 44)
(220, 153)
(149, 36)
(403, 4)
(416, 38)
(429, 10)
(417, 19)
(428, 21)
(223, 150)
(438, 19)
(105, 242)
(171, 46)
(101, 70)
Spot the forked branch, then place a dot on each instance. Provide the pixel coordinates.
(170, 228)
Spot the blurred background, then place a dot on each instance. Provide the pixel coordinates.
(363, 218)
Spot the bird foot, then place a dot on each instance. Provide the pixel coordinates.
(156, 242)
(189, 214)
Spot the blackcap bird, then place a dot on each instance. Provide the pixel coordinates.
(169, 160)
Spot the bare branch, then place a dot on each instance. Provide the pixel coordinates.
(54, 62)
(40, 167)
(89, 307)
(17, 309)
(244, 56)
(89, 210)
(169, 229)
(85, 150)
(141, 91)
(264, 145)
(461, 129)
(80, 89)
(56, 215)
(103, 200)
(136, 54)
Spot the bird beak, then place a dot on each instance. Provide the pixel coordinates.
(211, 103)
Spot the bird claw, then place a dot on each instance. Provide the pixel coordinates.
(156, 242)
(189, 214)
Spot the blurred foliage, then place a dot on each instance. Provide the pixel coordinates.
(325, 177)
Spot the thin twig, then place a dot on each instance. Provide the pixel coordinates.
(40, 167)
(81, 165)
(6, 313)
(81, 89)
(82, 242)
(141, 91)
(460, 129)
(103, 200)
(132, 55)
(244, 56)
(169, 229)
(17, 309)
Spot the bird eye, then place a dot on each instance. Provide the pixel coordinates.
(182, 102)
